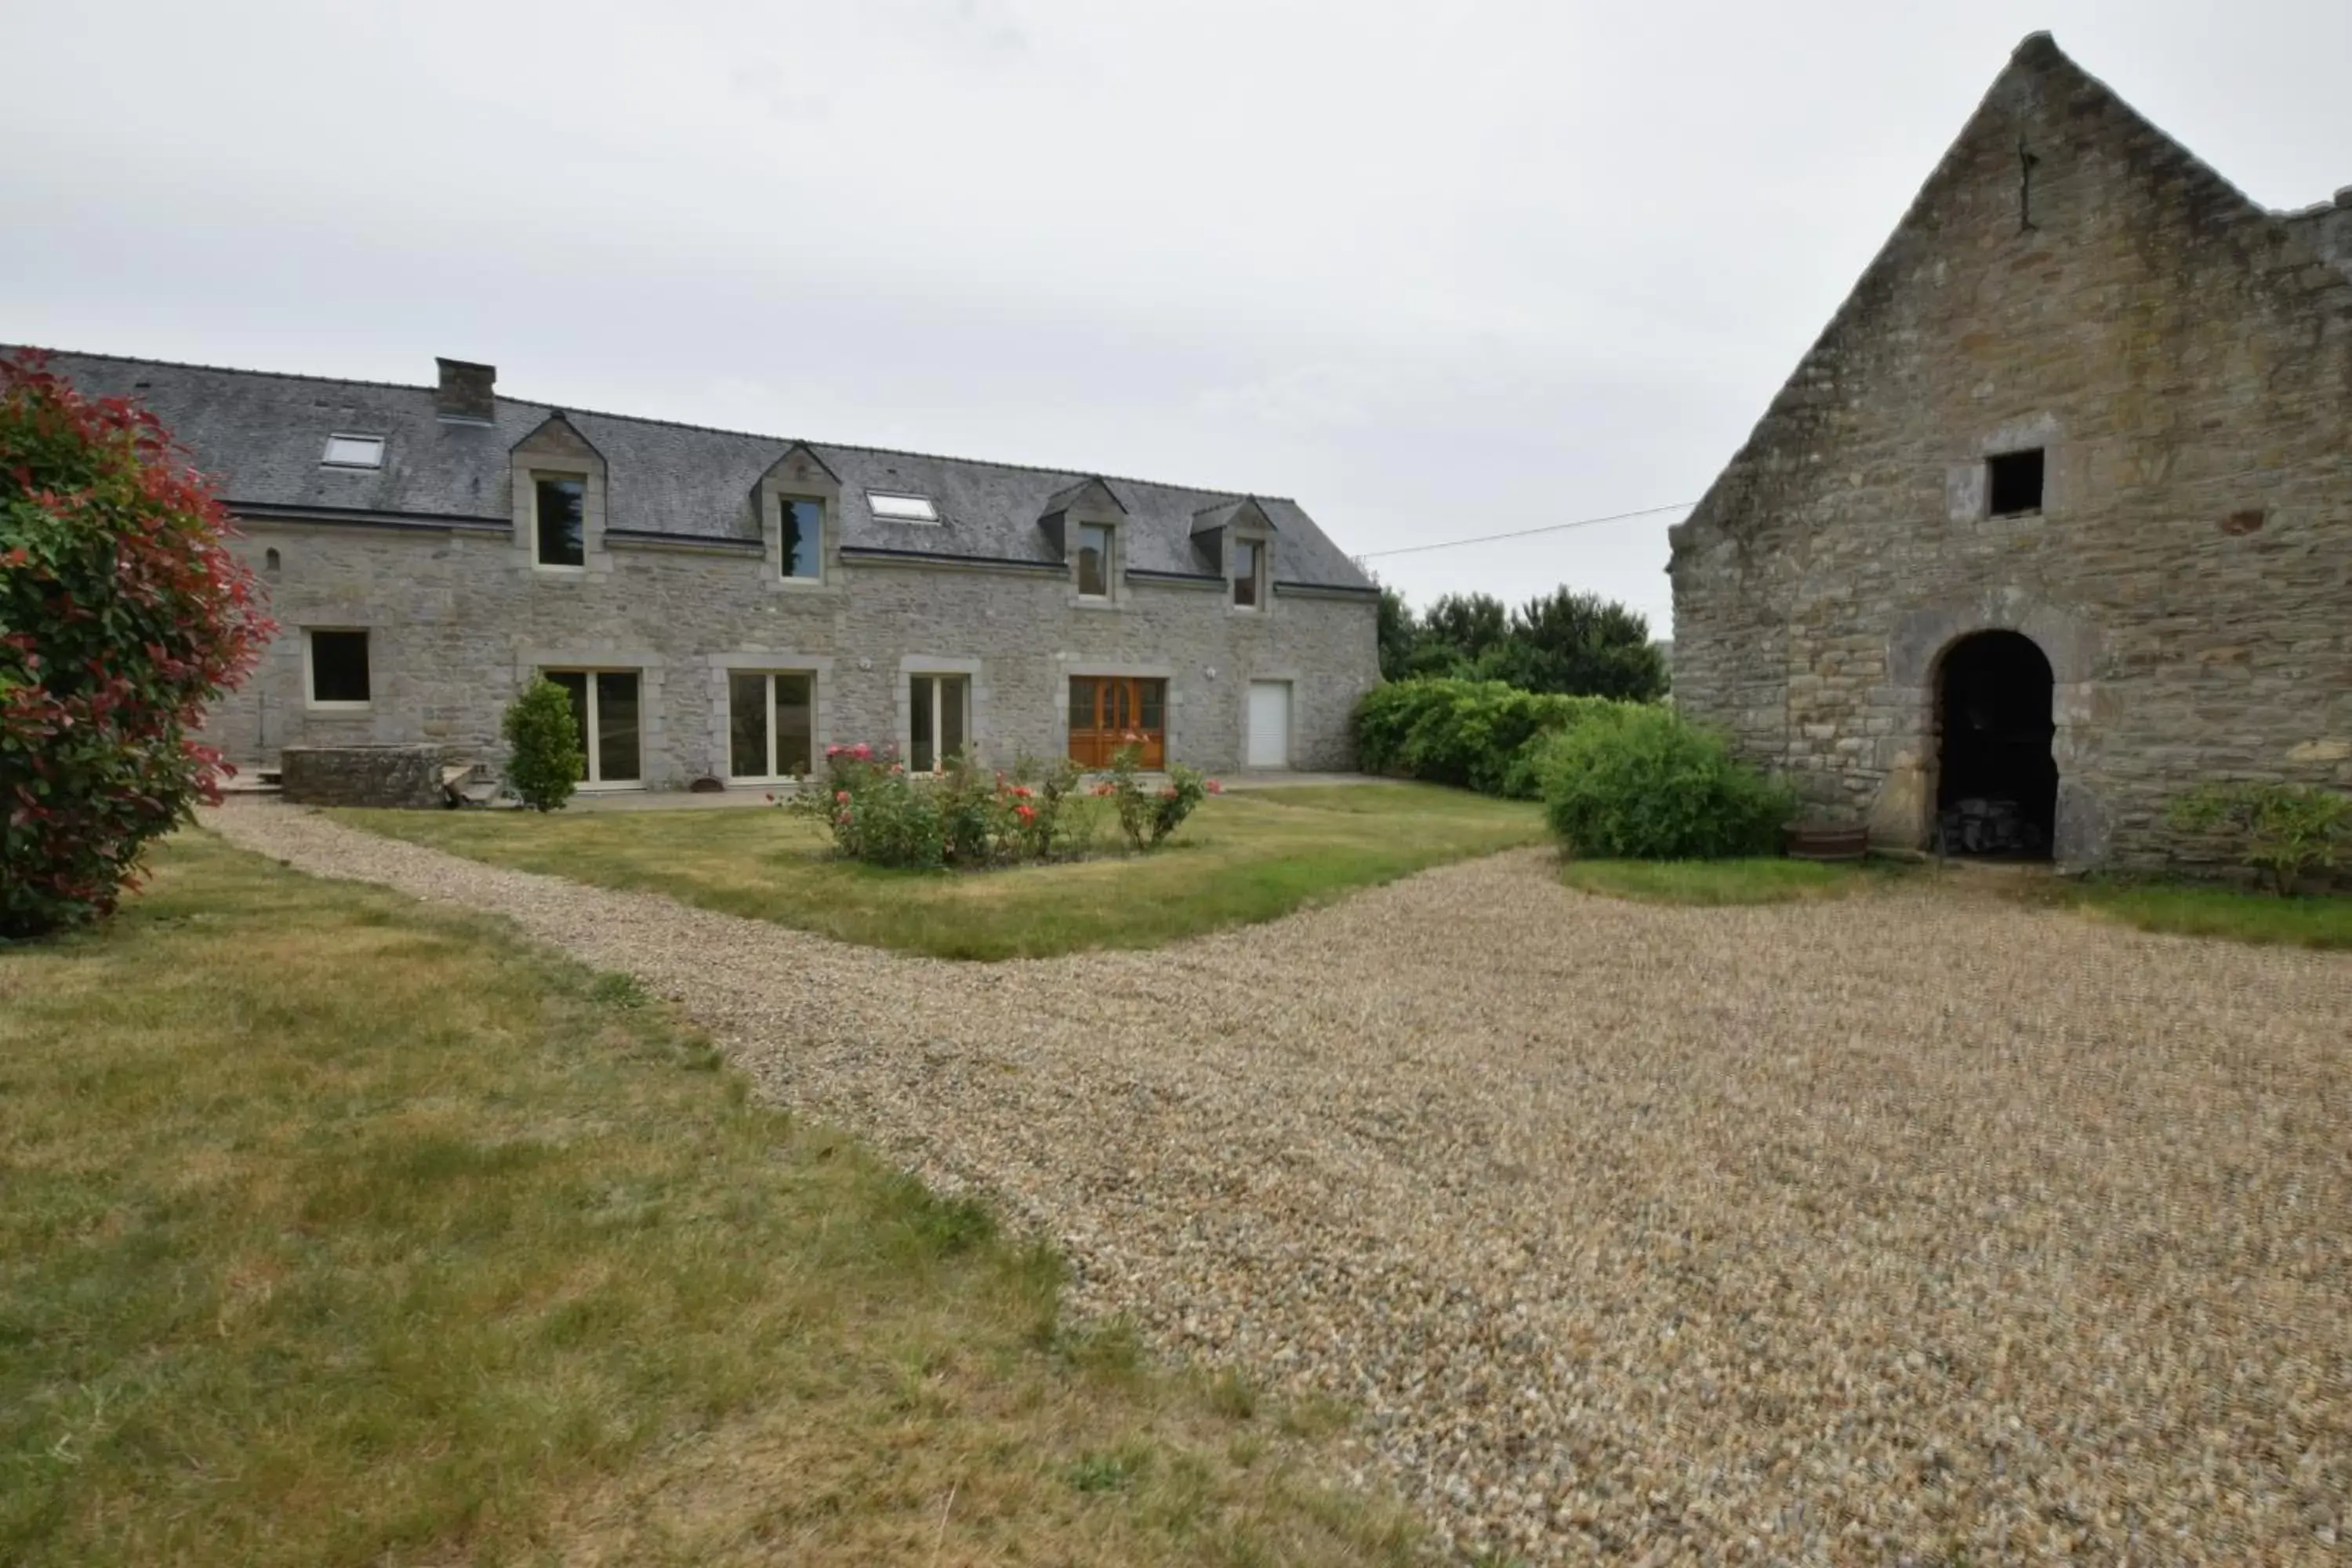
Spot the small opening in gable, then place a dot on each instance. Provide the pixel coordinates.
(269, 560)
(2013, 482)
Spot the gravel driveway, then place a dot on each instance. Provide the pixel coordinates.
(1911, 1228)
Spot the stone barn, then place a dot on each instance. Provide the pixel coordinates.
(2054, 520)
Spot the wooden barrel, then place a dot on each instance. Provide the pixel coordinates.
(1827, 841)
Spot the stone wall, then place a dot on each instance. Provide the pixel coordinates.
(403, 776)
(457, 619)
(2068, 278)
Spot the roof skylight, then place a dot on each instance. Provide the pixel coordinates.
(355, 452)
(888, 508)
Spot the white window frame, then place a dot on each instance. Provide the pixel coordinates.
(768, 718)
(585, 481)
(329, 460)
(1110, 563)
(1261, 574)
(310, 673)
(938, 677)
(784, 574)
(593, 762)
(929, 517)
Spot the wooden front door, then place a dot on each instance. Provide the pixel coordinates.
(1110, 711)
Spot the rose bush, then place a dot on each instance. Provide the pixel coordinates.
(1147, 817)
(122, 614)
(964, 816)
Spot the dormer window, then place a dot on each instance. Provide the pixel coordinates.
(353, 452)
(801, 552)
(1248, 574)
(562, 521)
(887, 507)
(1094, 561)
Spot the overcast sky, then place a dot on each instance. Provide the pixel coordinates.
(1436, 271)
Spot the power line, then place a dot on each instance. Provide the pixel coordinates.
(1525, 533)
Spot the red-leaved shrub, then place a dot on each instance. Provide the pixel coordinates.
(121, 614)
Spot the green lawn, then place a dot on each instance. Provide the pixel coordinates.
(340, 1231)
(2189, 910)
(1245, 857)
(1757, 880)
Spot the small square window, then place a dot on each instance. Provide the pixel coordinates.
(339, 669)
(562, 522)
(355, 452)
(803, 536)
(888, 508)
(1094, 561)
(2013, 483)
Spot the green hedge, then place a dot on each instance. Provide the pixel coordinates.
(1473, 734)
(1647, 784)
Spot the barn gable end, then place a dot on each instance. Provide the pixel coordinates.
(2069, 283)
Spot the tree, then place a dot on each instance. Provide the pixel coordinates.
(1579, 644)
(1465, 625)
(544, 761)
(1397, 634)
(122, 614)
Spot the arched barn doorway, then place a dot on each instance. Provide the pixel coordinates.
(1996, 783)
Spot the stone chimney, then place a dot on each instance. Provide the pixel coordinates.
(467, 391)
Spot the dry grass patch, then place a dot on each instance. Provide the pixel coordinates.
(340, 1231)
(1241, 858)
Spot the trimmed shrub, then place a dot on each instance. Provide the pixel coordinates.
(544, 761)
(1473, 734)
(1647, 785)
(121, 615)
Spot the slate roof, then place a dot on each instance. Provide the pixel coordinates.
(261, 435)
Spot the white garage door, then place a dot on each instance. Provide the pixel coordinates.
(1269, 724)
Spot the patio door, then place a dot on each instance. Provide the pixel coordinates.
(604, 707)
(937, 717)
(769, 735)
(1105, 709)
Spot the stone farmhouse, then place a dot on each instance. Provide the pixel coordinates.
(2054, 520)
(724, 606)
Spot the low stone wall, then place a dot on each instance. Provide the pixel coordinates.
(362, 775)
